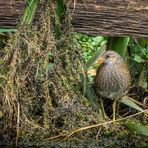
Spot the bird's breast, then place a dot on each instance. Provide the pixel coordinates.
(112, 79)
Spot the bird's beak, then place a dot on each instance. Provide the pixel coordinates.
(100, 60)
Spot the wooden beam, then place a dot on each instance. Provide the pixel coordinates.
(94, 17)
(12, 10)
(111, 17)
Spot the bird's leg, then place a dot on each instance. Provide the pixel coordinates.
(102, 108)
(114, 110)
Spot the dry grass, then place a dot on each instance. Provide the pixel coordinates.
(40, 86)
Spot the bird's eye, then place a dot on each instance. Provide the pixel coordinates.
(107, 56)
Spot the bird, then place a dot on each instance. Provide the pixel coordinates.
(112, 79)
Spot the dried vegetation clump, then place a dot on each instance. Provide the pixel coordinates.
(40, 91)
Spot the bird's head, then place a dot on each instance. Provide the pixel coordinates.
(110, 57)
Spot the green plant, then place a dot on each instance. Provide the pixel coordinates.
(60, 10)
(29, 12)
(139, 49)
(118, 44)
(90, 44)
(7, 30)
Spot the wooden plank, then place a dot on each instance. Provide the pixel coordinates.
(12, 10)
(94, 17)
(111, 17)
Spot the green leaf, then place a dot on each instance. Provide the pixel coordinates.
(84, 39)
(147, 52)
(103, 42)
(78, 36)
(51, 66)
(7, 30)
(93, 59)
(118, 44)
(138, 59)
(29, 12)
(127, 101)
(98, 39)
(137, 128)
(143, 51)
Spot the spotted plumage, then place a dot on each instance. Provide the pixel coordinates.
(113, 78)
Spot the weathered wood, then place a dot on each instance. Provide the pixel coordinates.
(95, 17)
(12, 10)
(111, 17)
